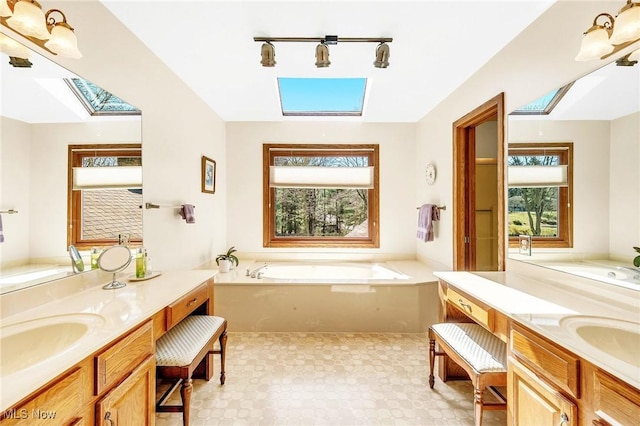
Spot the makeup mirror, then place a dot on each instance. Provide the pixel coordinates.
(114, 259)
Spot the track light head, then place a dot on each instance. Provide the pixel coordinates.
(268, 53)
(322, 56)
(382, 56)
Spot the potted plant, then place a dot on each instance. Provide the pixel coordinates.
(227, 260)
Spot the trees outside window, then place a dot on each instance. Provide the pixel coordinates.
(543, 212)
(327, 209)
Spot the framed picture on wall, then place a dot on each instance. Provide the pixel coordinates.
(208, 175)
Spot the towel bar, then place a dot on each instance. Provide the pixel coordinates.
(10, 211)
(439, 208)
(157, 206)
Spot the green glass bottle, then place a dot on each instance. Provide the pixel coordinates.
(141, 257)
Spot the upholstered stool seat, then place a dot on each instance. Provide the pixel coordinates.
(481, 354)
(186, 349)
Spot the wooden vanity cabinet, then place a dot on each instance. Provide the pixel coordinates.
(531, 401)
(546, 383)
(131, 402)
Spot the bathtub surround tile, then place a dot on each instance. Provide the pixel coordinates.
(329, 379)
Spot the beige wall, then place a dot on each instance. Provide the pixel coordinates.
(397, 187)
(15, 149)
(624, 187)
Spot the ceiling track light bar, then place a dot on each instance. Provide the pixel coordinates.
(326, 39)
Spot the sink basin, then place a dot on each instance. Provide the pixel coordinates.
(616, 338)
(29, 343)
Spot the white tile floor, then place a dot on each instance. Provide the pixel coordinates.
(329, 379)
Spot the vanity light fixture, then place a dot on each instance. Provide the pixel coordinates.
(604, 39)
(27, 18)
(267, 50)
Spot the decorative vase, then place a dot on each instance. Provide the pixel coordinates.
(224, 265)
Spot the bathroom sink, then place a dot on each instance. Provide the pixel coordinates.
(30, 343)
(616, 338)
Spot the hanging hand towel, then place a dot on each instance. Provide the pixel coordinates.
(1, 232)
(187, 213)
(426, 215)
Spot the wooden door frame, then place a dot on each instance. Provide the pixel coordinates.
(464, 179)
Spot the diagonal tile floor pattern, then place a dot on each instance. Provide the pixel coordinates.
(328, 379)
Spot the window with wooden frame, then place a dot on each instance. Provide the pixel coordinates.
(540, 198)
(320, 195)
(100, 211)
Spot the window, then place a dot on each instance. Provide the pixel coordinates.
(97, 216)
(98, 101)
(320, 195)
(322, 96)
(544, 104)
(540, 193)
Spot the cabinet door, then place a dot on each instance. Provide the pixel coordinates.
(532, 402)
(133, 401)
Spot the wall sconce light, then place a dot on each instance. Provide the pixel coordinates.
(27, 19)
(613, 35)
(322, 50)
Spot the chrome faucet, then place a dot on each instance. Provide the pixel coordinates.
(636, 271)
(256, 272)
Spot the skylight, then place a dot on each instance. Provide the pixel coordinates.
(544, 104)
(99, 101)
(322, 96)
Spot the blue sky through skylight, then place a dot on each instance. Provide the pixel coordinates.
(539, 105)
(322, 96)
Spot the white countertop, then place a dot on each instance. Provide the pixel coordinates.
(550, 308)
(117, 311)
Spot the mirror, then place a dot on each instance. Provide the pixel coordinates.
(114, 259)
(76, 260)
(39, 118)
(600, 115)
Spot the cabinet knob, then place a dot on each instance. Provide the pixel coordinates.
(107, 417)
(564, 419)
(466, 306)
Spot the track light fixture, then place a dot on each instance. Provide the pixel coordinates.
(322, 49)
(613, 35)
(27, 19)
(382, 56)
(322, 56)
(268, 53)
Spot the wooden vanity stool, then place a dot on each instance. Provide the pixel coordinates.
(481, 354)
(186, 349)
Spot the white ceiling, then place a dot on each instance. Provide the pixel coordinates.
(436, 46)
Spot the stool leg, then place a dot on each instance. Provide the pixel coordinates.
(477, 405)
(432, 360)
(223, 352)
(185, 394)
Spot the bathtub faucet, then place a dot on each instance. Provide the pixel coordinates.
(256, 272)
(636, 271)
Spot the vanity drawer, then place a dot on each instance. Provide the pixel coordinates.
(117, 361)
(481, 314)
(551, 361)
(179, 309)
(60, 402)
(614, 401)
